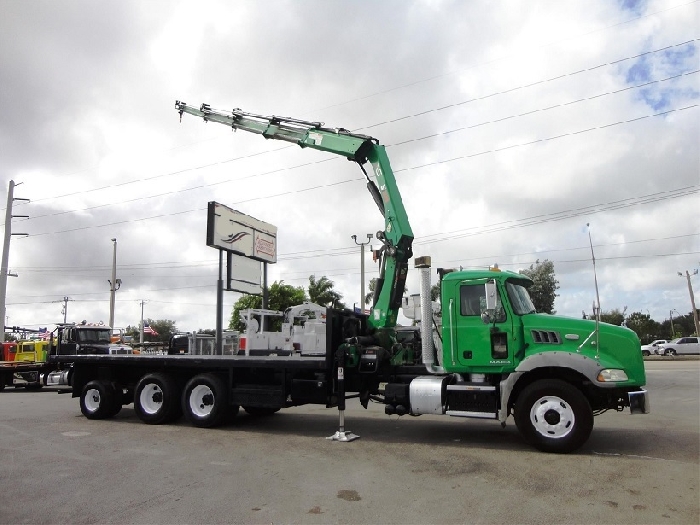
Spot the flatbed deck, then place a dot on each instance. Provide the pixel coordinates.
(197, 361)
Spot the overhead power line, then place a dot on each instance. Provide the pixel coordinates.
(374, 271)
(356, 179)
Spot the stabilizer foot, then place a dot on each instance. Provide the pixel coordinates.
(342, 435)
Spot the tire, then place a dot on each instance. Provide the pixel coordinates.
(260, 411)
(669, 351)
(553, 416)
(157, 399)
(3, 381)
(646, 353)
(118, 400)
(204, 401)
(98, 399)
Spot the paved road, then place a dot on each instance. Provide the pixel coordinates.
(58, 467)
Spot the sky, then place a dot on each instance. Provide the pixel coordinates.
(510, 127)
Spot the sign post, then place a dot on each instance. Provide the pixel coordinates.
(247, 243)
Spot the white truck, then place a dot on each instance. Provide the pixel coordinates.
(303, 331)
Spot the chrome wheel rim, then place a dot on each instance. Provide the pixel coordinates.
(552, 417)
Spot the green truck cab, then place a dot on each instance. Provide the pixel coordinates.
(498, 357)
(512, 336)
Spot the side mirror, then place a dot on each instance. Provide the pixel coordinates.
(491, 292)
(488, 315)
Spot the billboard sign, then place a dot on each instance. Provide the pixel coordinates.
(236, 232)
(244, 275)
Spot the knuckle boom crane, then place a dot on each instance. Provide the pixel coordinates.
(497, 356)
(397, 237)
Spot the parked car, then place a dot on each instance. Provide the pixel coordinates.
(682, 345)
(653, 347)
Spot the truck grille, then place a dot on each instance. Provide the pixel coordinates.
(546, 337)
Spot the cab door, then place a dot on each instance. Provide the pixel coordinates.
(480, 344)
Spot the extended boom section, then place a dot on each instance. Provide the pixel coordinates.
(397, 237)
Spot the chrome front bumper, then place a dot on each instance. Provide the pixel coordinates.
(639, 402)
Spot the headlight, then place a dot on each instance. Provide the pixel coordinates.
(611, 375)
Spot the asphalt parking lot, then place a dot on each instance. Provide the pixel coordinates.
(59, 467)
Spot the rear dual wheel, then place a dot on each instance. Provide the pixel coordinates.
(157, 399)
(205, 401)
(100, 400)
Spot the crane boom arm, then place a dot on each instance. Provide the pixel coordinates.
(397, 237)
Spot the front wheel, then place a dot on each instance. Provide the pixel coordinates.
(204, 400)
(553, 416)
(669, 351)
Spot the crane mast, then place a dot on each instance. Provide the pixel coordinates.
(397, 237)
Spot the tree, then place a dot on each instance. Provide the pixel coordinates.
(373, 287)
(644, 326)
(165, 328)
(435, 292)
(321, 292)
(614, 316)
(683, 325)
(280, 297)
(544, 288)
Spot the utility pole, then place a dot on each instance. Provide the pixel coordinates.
(673, 332)
(4, 270)
(114, 285)
(692, 300)
(362, 269)
(142, 302)
(64, 308)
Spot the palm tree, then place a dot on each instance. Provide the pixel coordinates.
(321, 292)
(372, 288)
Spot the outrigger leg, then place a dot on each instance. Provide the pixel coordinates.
(341, 434)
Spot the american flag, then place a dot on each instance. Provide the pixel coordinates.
(44, 333)
(148, 330)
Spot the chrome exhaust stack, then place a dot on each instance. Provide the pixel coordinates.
(426, 315)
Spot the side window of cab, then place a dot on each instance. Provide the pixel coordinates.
(472, 302)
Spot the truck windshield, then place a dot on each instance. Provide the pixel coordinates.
(94, 336)
(520, 299)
